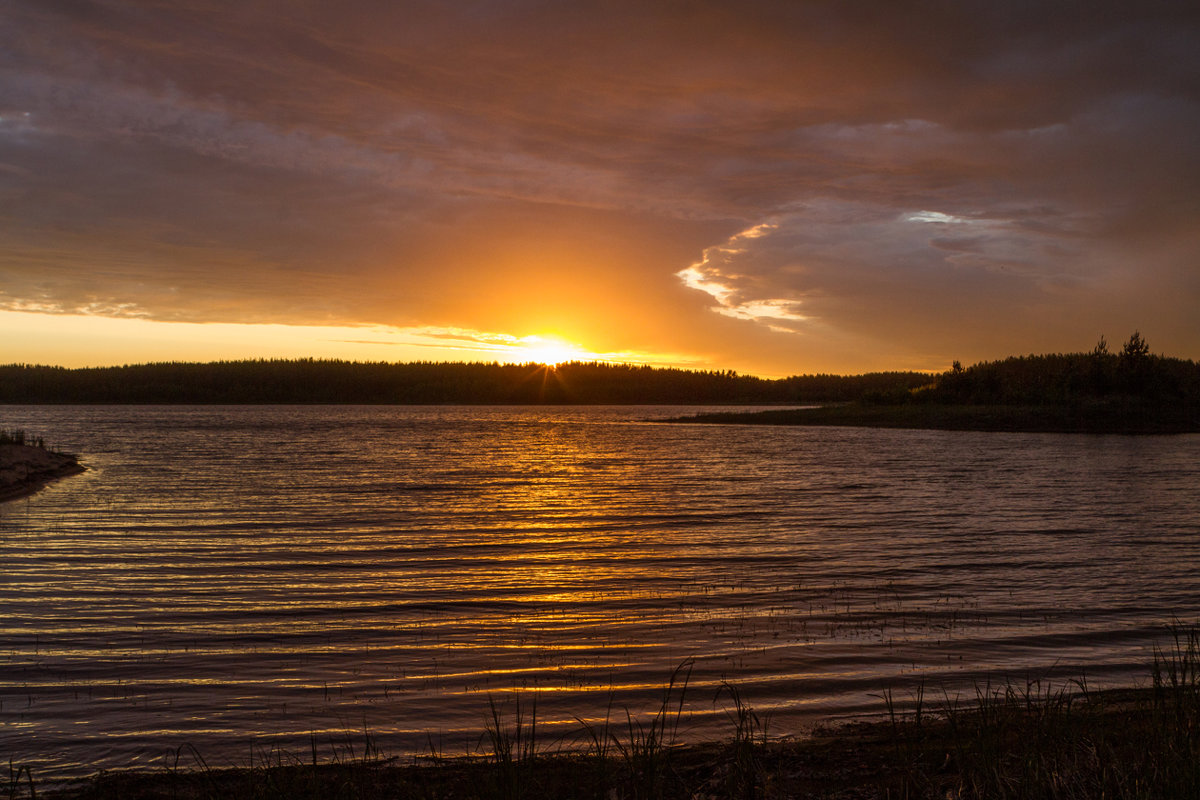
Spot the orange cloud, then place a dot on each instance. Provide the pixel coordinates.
(964, 182)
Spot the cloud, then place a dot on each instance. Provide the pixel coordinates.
(715, 275)
(911, 174)
(872, 272)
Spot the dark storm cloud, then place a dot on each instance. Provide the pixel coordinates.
(914, 171)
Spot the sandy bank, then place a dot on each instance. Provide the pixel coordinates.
(25, 469)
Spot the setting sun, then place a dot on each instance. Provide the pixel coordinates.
(552, 351)
(403, 377)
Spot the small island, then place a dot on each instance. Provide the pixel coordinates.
(1131, 392)
(26, 465)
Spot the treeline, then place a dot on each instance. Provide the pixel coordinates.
(1131, 376)
(331, 381)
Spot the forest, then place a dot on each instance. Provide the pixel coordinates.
(1132, 375)
(1128, 392)
(329, 381)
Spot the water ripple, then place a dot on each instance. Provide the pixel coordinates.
(230, 577)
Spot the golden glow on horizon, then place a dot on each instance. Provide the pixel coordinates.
(79, 340)
(552, 351)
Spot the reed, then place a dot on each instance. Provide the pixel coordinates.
(747, 749)
(19, 437)
(1028, 739)
(14, 787)
(647, 749)
(1031, 739)
(514, 749)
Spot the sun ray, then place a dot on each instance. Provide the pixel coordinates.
(552, 351)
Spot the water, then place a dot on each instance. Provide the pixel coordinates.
(243, 579)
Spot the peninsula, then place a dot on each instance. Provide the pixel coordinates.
(26, 465)
(1130, 392)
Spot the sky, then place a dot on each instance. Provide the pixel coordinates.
(773, 187)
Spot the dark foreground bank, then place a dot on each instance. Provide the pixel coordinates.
(1022, 740)
(26, 467)
(1122, 419)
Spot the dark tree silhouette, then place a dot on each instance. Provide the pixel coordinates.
(1136, 348)
(313, 381)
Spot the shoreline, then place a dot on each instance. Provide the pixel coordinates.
(24, 469)
(1030, 737)
(1101, 419)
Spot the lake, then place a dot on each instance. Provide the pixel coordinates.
(256, 579)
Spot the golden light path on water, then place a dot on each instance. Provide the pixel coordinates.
(241, 577)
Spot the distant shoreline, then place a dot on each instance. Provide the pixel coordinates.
(335, 382)
(24, 469)
(1131, 419)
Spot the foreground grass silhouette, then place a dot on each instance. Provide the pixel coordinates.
(1016, 740)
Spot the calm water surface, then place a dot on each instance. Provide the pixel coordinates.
(241, 579)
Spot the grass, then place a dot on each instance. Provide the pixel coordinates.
(1036, 740)
(514, 749)
(646, 749)
(1015, 739)
(746, 748)
(14, 786)
(20, 437)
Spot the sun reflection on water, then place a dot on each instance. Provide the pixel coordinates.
(281, 571)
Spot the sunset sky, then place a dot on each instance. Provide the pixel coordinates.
(773, 187)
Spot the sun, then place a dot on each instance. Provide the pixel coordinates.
(550, 350)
